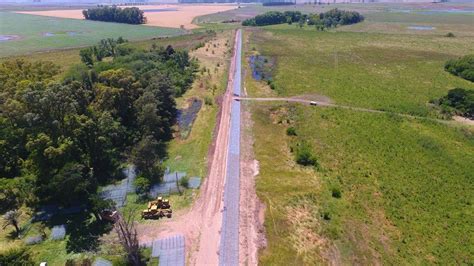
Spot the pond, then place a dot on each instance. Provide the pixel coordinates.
(187, 116)
(59, 33)
(159, 10)
(262, 67)
(6, 38)
(421, 28)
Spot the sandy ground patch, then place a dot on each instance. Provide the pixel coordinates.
(173, 16)
(464, 120)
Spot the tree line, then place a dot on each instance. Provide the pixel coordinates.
(329, 19)
(63, 138)
(129, 15)
(459, 101)
(462, 67)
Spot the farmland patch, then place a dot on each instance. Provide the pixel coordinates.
(40, 33)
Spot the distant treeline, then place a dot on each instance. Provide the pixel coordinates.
(459, 101)
(332, 18)
(462, 67)
(129, 15)
(278, 3)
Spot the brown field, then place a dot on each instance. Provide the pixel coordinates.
(173, 16)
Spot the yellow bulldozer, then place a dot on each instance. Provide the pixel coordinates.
(157, 209)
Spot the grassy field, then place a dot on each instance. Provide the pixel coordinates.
(65, 58)
(370, 10)
(393, 72)
(66, 33)
(388, 189)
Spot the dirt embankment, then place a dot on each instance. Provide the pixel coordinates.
(252, 210)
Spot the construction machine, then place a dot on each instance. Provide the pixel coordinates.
(160, 203)
(157, 209)
(156, 213)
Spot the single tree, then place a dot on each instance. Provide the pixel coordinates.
(177, 184)
(142, 186)
(127, 234)
(12, 218)
(87, 56)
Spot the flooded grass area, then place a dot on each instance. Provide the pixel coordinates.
(262, 67)
(187, 116)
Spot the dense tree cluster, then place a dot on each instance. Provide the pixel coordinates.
(61, 139)
(106, 48)
(129, 15)
(269, 18)
(462, 67)
(459, 101)
(329, 19)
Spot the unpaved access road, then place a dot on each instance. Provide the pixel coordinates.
(358, 109)
(201, 224)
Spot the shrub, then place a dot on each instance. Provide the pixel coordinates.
(208, 100)
(462, 67)
(326, 216)
(184, 182)
(291, 131)
(304, 155)
(18, 256)
(336, 193)
(459, 100)
(449, 35)
(142, 185)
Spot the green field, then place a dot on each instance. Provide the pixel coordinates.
(394, 72)
(67, 33)
(388, 189)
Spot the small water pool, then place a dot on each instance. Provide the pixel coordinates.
(6, 38)
(434, 11)
(421, 28)
(59, 33)
(159, 10)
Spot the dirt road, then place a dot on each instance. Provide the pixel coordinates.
(201, 225)
(327, 104)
